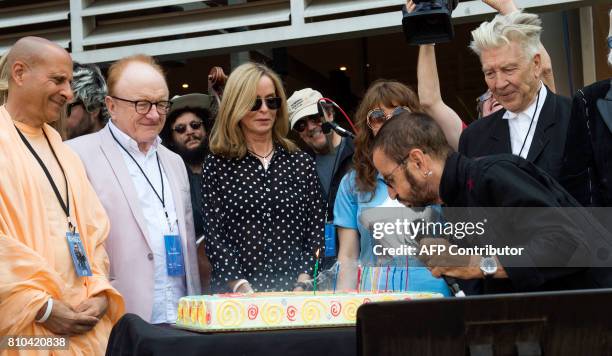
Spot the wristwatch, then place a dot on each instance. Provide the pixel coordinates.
(488, 266)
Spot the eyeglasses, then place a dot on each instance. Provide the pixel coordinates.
(301, 125)
(377, 117)
(72, 105)
(144, 106)
(181, 128)
(390, 175)
(271, 103)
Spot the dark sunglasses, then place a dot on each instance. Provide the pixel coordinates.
(271, 103)
(377, 117)
(301, 125)
(181, 128)
(72, 105)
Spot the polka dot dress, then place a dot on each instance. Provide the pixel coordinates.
(262, 225)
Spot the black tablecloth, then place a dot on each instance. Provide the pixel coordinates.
(134, 336)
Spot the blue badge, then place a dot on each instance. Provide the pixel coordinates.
(79, 256)
(174, 255)
(330, 240)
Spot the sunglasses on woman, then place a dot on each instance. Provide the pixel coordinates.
(181, 128)
(271, 103)
(377, 117)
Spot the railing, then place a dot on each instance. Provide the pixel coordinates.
(104, 30)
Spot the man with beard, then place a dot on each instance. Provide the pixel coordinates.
(186, 133)
(332, 153)
(420, 169)
(86, 113)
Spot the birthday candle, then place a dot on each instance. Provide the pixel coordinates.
(393, 280)
(358, 277)
(387, 279)
(314, 289)
(401, 279)
(336, 276)
(407, 272)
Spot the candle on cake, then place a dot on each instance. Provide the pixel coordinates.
(316, 271)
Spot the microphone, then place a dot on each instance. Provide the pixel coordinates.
(328, 126)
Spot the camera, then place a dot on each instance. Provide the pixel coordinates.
(430, 22)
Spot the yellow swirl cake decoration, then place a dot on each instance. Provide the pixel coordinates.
(312, 311)
(279, 310)
(272, 313)
(179, 314)
(202, 313)
(350, 309)
(230, 313)
(194, 311)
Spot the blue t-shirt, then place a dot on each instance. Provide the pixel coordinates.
(348, 208)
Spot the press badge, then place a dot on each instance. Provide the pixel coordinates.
(330, 240)
(79, 257)
(174, 255)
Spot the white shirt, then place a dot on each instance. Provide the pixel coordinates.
(519, 124)
(168, 289)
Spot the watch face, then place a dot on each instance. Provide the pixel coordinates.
(488, 265)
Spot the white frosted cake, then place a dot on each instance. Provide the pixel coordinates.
(277, 310)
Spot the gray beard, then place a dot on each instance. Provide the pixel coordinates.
(328, 147)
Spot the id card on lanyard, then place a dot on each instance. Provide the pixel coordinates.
(79, 256)
(175, 265)
(73, 239)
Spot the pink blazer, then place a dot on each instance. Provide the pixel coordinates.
(129, 249)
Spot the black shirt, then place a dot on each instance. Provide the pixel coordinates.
(262, 225)
(195, 187)
(510, 181)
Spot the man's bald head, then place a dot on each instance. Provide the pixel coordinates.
(40, 73)
(33, 50)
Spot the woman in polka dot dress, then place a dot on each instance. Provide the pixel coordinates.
(262, 205)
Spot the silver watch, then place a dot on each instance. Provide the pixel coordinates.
(488, 265)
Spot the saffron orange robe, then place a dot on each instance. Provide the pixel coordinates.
(35, 262)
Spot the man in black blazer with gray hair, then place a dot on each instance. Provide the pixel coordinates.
(534, 120)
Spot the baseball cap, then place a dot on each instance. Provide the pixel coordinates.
(303, 103)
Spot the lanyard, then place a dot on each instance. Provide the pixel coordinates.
(162, 197)
(65, 206)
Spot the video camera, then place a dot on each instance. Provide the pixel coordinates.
(430, 22)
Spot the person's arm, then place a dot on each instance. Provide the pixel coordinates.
(547, 75)
(345, 220)
(431, 98)
(227, 268)
(348, 255)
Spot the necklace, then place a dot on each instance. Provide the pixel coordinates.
(265, 159)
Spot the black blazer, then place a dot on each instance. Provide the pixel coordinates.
(548, 234)
(588, 162)
(491, 135)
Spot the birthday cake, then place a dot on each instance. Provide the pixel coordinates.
(278, 310)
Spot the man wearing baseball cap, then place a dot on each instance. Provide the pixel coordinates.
(333, 154)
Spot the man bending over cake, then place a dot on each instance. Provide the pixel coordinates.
(420, 169)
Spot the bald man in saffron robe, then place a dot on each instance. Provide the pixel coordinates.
(42, 291)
